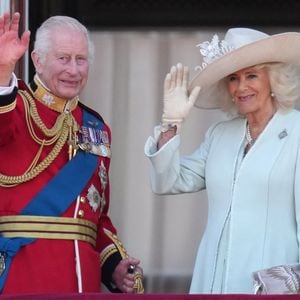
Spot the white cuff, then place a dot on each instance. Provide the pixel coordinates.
(6, 90)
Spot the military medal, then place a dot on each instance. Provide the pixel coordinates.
(94, 141)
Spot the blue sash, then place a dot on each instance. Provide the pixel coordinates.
(55, 197)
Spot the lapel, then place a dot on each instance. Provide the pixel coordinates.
(268, 146)
(229, 143)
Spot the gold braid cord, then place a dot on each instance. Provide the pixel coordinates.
(64, 127)
(138, 278)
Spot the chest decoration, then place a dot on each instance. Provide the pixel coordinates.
(94, 141)
(103, 175)
(94, 198)
(97, 200)
(104, 181)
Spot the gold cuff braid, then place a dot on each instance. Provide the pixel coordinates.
(138, 278)
(8, 108)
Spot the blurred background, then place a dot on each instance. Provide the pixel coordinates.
(137, 41)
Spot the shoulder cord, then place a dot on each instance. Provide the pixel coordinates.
(64, 126)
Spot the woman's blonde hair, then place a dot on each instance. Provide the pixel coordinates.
(285, 87)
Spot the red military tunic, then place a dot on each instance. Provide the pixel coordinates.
(49, 265)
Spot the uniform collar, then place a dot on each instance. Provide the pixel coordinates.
(43, 95)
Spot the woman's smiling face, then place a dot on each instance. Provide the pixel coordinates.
(250, 89)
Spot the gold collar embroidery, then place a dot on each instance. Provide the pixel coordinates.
(43, 95)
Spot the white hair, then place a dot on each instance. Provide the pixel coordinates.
(42, 42)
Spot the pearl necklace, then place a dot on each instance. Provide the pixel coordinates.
(249, 138)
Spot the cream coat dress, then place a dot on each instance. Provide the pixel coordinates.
(253, 214)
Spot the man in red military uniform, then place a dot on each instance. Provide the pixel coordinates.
(56, 235)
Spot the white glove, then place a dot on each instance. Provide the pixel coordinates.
(177, 101)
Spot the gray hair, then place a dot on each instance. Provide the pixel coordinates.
(284, 82)
(42, 42)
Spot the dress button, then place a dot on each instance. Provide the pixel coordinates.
(81, 213)
(82, 199)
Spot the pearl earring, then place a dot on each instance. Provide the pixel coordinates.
(272, 95)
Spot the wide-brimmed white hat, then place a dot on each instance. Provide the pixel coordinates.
(241, 48)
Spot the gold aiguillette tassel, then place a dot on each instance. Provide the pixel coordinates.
(70, 142)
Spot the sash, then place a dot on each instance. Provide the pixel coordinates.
(69, 182)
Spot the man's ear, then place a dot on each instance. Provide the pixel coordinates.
(36, 62)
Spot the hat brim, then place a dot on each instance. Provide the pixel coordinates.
(284, 47)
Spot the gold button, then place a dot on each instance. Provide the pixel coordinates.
(82, 199)
(81, 213)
